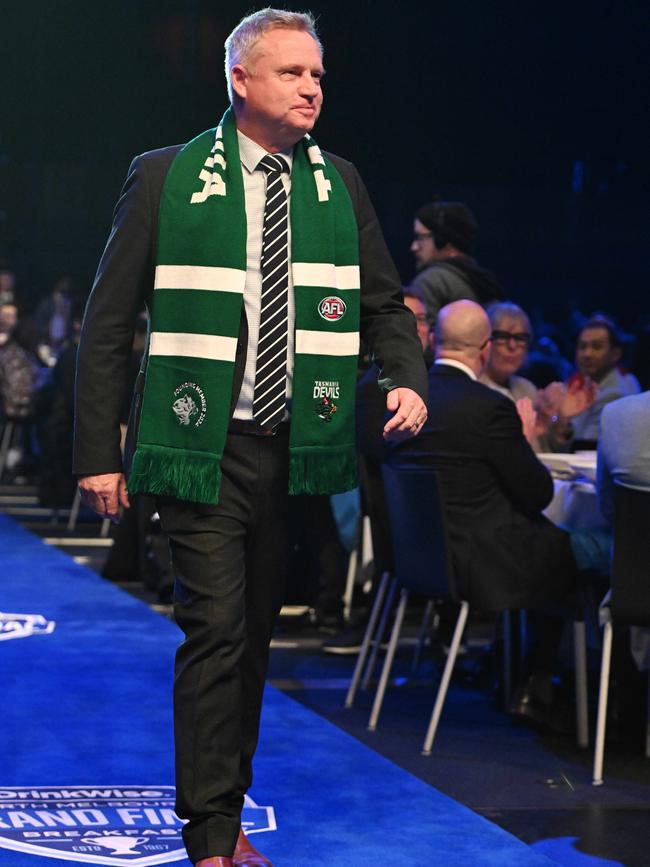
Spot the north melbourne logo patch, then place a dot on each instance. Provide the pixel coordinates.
(190, 405)
(124, 825)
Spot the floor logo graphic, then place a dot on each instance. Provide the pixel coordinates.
(24, 625)
(125, 825)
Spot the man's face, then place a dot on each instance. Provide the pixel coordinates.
(422, 246)
(508, 348)
(8, 318)
(280, 85)
(418, 309)
(595, 355)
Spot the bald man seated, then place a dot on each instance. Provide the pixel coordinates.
(505, 553)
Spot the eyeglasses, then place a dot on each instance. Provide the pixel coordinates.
(503, 338)
(421, 236)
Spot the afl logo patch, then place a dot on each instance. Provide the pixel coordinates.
(332, 308)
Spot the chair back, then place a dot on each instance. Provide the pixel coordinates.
(630, 601)
(419, 535)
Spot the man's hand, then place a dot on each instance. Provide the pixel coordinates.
(105, 494)
(528, 417)
(410, 413)
(549, 399)
(579, 396)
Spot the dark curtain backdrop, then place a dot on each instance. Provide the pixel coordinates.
(534, 113)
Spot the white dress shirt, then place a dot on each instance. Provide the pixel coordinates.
(255, 197)
(451, 362)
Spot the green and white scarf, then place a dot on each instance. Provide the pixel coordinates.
(196, 313)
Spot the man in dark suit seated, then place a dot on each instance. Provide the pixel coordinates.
(505, 553)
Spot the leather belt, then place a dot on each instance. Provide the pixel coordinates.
(251, 427)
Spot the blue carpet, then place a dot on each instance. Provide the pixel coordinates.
(86, 735)
(563, 849)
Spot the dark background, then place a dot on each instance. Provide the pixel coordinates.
(535, 114)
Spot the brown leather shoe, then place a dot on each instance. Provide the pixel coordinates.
(246, 855)
(216, 861)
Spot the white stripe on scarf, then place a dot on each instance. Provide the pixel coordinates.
(200, 277)
(187, 345)
(325, 275)
(324, 343)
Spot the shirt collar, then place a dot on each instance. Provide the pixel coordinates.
(504, 389)
(250, 153)
(451, 362)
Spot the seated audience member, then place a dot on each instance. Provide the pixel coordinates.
(504, 552)
(493, 486)
(19, 367)
(53, 314)
(623, 449)
(624, 459)
(511, 337)
(443, 241)
(20, 379)
(598, 353)
(57, 484)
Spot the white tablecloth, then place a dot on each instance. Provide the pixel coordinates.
(575, 505)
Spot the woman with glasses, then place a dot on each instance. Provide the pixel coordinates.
(554, 405)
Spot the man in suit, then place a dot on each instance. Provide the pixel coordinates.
(505, 552)
(624, 460)
(623, 449)
(203, 217)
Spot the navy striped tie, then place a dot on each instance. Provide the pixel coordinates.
(269, 397)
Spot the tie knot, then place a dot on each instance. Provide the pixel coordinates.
(273, 163)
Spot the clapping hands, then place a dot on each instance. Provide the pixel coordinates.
(561, 401)
(528, 416)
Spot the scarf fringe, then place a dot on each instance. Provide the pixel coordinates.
(318, 470)
(169, 472)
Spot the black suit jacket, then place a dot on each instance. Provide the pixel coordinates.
(124, 285)
(505, 553)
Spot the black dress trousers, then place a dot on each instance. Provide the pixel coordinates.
(230, 562)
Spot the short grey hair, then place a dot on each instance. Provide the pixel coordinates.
(500, 309)
(251, 28)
